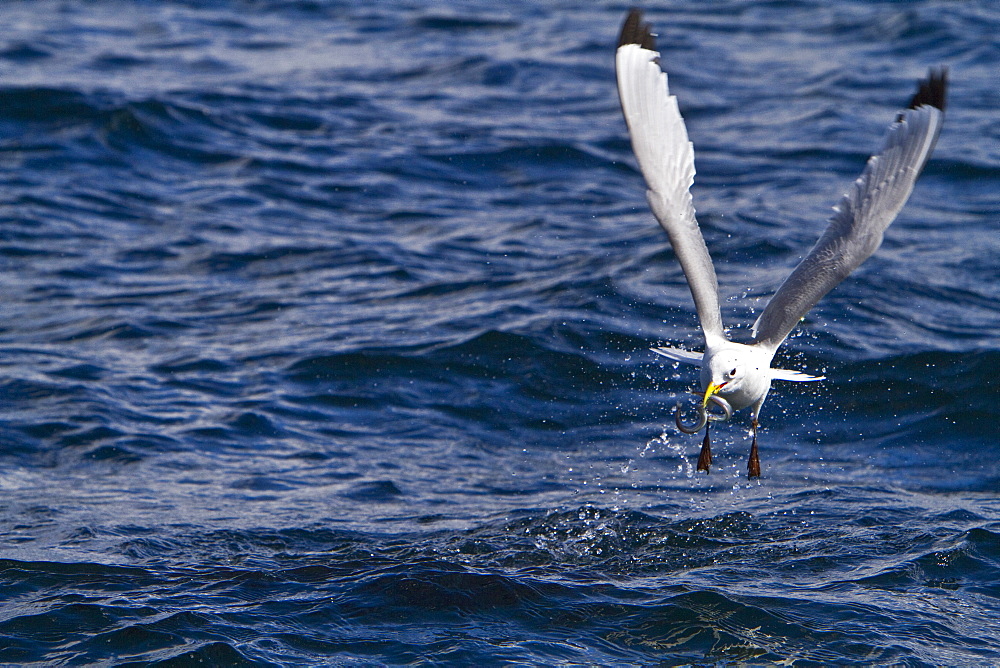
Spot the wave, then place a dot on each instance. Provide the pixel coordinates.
(587, 583)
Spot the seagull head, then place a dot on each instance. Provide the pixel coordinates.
(738, 373)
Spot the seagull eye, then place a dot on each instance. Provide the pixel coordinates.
(732, 373)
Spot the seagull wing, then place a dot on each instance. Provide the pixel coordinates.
(863, 214)
(679, 355)
(797, 376)
(666, 158)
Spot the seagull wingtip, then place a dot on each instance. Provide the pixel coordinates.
(636, 31)
(932, 91)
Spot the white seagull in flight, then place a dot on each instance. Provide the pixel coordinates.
(737, 375)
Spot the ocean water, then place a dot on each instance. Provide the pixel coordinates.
(325, 332)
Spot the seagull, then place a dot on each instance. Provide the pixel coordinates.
(737, 375)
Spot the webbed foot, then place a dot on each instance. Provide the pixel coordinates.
(705, 458)
(753, 464)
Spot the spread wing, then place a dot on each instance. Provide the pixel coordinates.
(863, 214)
(666, 159)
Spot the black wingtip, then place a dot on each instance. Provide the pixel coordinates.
(635, 31)
(932, 90)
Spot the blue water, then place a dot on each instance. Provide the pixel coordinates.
(325, 333)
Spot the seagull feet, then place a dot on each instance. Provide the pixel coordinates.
(705, 458)
(753, 464)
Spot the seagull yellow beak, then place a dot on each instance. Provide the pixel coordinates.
(712, 389)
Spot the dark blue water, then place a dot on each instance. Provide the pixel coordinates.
(325, 332)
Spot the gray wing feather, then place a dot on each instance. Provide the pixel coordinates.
(666, 159)
(862, 216)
